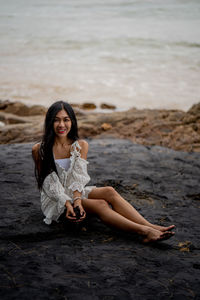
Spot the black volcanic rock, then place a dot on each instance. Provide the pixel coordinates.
(93, 261)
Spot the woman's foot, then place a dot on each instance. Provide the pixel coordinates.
(162, 228)
(154, 235)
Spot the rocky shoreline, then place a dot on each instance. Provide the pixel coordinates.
(174, 129)
(96, 262)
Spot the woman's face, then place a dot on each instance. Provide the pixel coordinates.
(62, 124)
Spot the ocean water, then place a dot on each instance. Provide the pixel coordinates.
(141, 53)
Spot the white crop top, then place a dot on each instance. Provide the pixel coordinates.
(64, 163)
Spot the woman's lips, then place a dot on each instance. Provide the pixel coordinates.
(61, 130)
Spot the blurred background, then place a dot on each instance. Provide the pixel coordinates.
(143, 53)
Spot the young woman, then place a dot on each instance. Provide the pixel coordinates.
(61, 173)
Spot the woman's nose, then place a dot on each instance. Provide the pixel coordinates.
(61, 123)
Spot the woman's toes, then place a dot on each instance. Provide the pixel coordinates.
(171, 227)
(164, 229)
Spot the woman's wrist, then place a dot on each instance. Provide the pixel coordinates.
(77, 202)
(77, 198)
(67, 203)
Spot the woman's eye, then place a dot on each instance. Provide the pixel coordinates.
(64, 120)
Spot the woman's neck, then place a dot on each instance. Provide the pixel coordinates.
(62, 141)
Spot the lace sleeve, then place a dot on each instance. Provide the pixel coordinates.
(79, 176)
(53, 188)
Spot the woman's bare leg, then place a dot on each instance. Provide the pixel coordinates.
(124, 208)
(110, 217)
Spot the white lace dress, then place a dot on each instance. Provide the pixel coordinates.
(57, 189)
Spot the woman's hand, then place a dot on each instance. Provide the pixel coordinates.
(81, 214)
(70, 214)
(78, 204)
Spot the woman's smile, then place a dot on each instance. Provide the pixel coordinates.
(61, 131)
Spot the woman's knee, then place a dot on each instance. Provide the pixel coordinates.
(110, 193)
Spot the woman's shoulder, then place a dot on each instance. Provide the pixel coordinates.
(35, 151)
(83, 144)
(80, 144)
(36, 148)
(83, 147)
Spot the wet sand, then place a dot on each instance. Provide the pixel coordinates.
(96, 262)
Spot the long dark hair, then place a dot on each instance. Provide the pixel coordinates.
(46, 163)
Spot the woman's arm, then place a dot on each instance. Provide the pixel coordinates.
(84, 148)
(84, 152)
(76, 194)
(55, 191)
